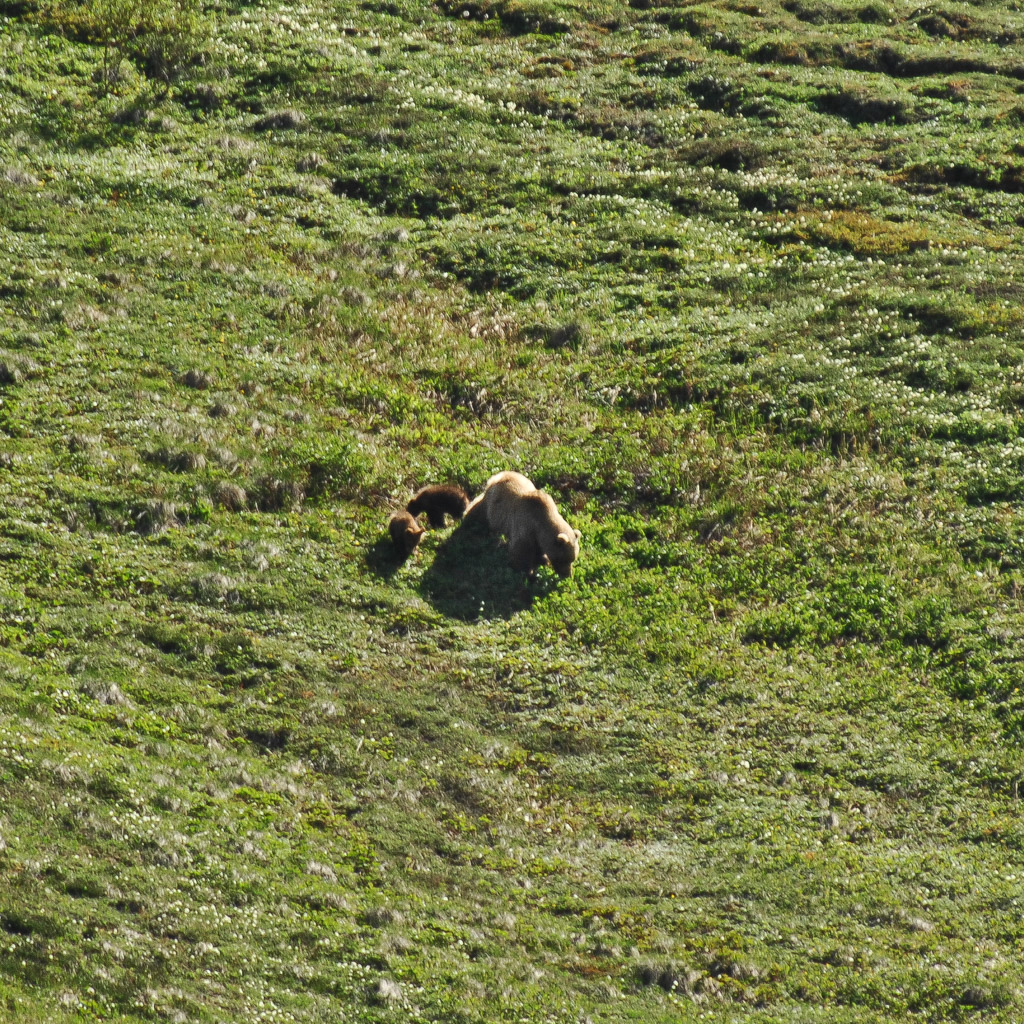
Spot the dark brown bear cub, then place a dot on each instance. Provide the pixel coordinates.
(438, 500)
(405, 532)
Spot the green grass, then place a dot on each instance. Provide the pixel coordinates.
(739, 285)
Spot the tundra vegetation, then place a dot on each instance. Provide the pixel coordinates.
(738, 283)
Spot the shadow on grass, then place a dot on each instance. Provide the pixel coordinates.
(470, 578)
(384, 559)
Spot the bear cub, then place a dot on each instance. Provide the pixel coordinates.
(438, 500)
(405, 532)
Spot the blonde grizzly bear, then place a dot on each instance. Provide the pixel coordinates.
(537, 534)
(405, 532)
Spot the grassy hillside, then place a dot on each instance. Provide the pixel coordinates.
(739, 284)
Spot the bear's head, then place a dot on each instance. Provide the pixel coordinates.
(565, 551)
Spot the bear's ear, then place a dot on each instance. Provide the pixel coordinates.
(578, 534)
(564, 538)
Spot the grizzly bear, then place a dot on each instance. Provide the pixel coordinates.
(436, 501)
(529, 519)
(405, 532)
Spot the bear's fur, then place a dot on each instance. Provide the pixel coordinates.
(438, 500)
(529, 519)
(405, 532)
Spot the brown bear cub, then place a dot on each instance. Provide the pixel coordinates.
(529, 519)
(405, 532)
(438, 500)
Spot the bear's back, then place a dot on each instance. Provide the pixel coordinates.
(503, 500)
(512, 509)
(510, 482)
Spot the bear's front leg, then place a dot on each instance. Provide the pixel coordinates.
(524, 555)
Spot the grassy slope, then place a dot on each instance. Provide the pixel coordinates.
(741, 286)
